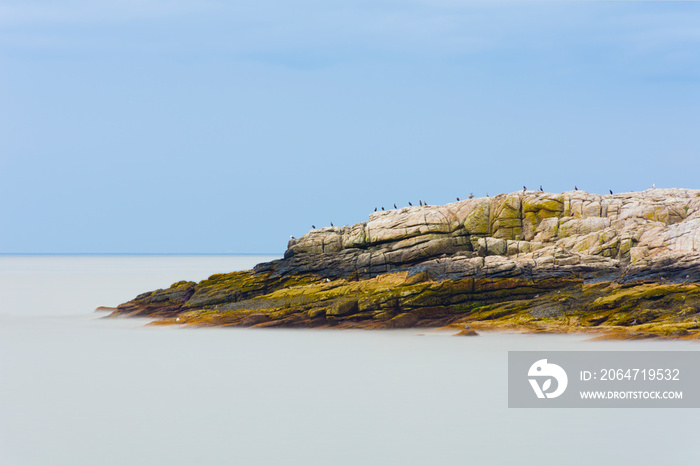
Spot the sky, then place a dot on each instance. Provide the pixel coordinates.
(183, 126)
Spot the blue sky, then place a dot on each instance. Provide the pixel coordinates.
(225, 127)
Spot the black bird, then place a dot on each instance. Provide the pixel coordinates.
(487, 195)
(331, 223)
(382, 208)
(541, 190)
(395, 206)
(610, 191)
(375, 209)
(409, 203)
(524, 188)
(471, 195)
(575, 188)
(458, 199)
(420, 202)
(425, 203)
(313, 227)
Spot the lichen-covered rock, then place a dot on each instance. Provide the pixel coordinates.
(159, 303)
(521, 226)
(494, 259)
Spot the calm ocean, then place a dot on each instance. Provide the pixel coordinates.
(76, 389)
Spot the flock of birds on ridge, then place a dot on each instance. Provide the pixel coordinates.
(471, 196)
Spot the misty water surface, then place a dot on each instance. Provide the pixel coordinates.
(76, 389)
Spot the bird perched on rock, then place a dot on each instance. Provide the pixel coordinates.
(610, 191)
(395, 206)
(541, 190)
(291, 237)
(382, 207)
(331, 223)
(487, 195)
(471, 195)
(575, 188)
(420, 202)
(375, 209)
(653, 186)
(409, 203)
(458, 199)
(313, 227)
(524, 188)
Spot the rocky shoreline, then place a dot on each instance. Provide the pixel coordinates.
(624, 265)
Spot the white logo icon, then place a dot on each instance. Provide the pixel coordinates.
(543, 369)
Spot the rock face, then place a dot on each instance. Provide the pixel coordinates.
(465, 261)
(511, 234)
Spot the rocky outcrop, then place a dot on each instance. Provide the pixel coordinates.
(477, 260)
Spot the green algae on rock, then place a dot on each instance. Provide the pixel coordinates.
(625, 264)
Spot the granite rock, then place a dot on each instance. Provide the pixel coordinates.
(439, 260)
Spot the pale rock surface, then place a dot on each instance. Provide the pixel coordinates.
(530, 232)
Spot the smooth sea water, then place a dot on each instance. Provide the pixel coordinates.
(76, 389)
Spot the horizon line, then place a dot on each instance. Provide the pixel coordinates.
(138, 254)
